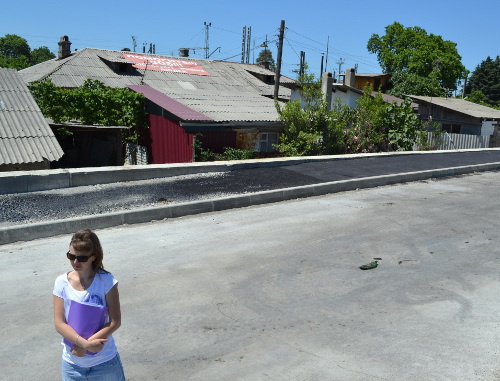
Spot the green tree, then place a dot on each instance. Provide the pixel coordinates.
(41, 54)
(485, 79)
(15, 53)
(421, 63)
(14, 46)
(372, 126)
(266, 59)
(310, 128)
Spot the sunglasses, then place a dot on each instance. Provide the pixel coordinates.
(81, 258)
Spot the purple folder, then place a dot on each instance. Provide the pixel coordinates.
(86, 319)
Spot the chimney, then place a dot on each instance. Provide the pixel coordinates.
(326, 88)
(350, 77)
(64, 47)
(183, 52)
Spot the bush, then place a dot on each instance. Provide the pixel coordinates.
(203, 155)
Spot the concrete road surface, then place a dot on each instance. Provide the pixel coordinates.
(275, 292)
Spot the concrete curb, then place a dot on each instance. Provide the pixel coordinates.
(68, 226)
(31, 181)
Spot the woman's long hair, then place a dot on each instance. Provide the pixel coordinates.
(86, 241)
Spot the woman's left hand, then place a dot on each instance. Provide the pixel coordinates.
(78, 351)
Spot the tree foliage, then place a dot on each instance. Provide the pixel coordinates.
(310, 128)
(41, 54)
(485, 80)
(420, 63)
(92, 104)
(15, 53)
(372, 126)
(266, 59)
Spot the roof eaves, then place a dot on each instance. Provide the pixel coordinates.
(171, 105)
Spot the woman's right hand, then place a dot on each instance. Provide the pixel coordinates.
(95, 345)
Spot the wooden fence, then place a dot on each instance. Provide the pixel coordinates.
(448, 141)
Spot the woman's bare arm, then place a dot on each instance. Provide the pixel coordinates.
(114, 313)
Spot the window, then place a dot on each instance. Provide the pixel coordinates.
(123, 67)
(266, 141)
(452, 128)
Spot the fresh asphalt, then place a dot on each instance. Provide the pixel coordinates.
(249, 184)
(275, 292)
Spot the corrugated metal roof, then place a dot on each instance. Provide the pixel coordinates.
(251, 98)
(463, 106)
(176, 108)
(224, 106)
(25, 136)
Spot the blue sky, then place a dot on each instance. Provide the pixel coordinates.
(170, 25)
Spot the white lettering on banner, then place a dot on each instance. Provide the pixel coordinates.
(165, 64)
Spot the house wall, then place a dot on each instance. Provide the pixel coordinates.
(495, 137)
(488, 127)
(24, 167)
(375, 82)
(348, 98)
(469, 125)
(170, 143)
(247, 139)
(216, 141)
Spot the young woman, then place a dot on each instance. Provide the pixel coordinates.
(95, 357)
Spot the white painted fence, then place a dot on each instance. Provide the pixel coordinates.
(457, 141)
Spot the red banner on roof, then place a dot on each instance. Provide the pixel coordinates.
(170, 65)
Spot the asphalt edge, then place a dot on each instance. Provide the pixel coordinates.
(40, 180)
(34, 231)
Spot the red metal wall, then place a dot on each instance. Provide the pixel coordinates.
(169, 142)
(216, 141)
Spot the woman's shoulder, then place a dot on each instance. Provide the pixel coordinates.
(105, 275)
(60, 284)
(106, 280)
(63, 277)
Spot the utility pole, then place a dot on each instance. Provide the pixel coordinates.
(322, 60)
(134, 42)
(340, 63)
(278, 64)
(327, 48)
(244, 45)
(465, 83)
(249, 37)
(207, 25)
(302, 63)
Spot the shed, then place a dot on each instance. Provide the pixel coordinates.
(457, 115)
(26, 140)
